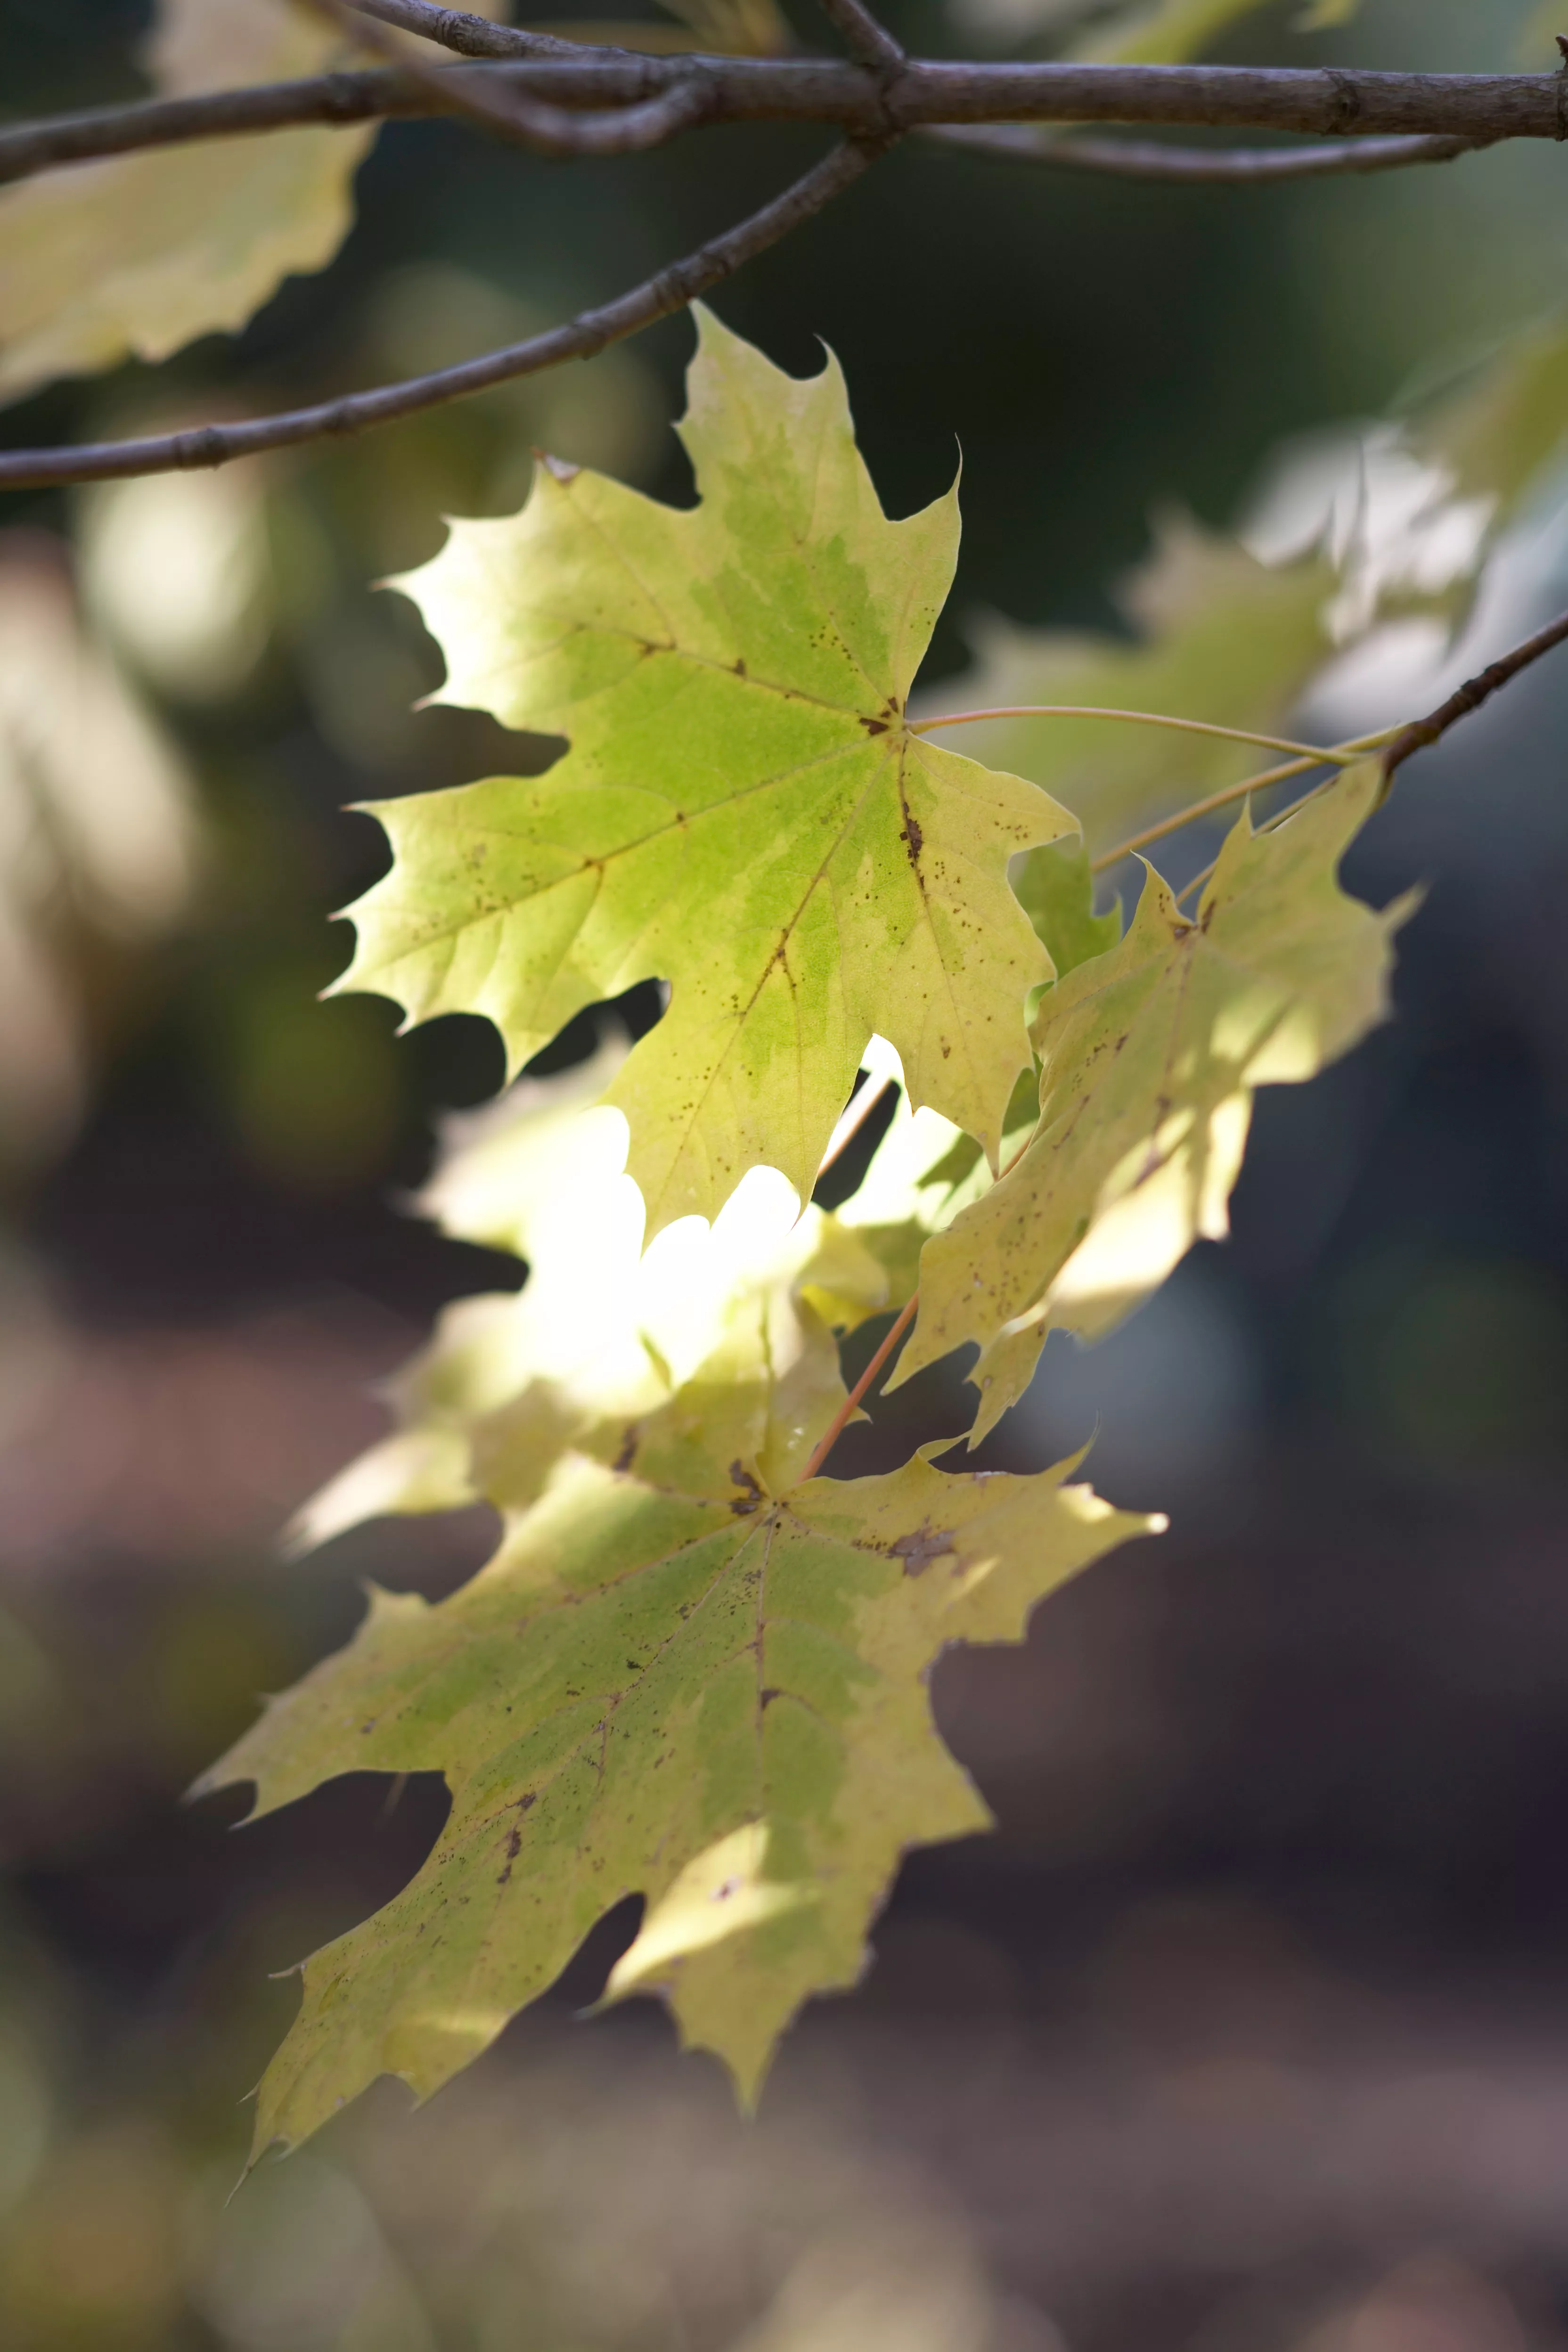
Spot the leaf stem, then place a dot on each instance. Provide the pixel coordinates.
(1308, 751)
(851, 1403)
(851, 1119)
(841, 1417)
(1340, 755)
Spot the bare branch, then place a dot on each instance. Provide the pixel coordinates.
(1138, 158)
(1423, 732)
(1472, 109)
(454, 28)
(867, 42)
(492, 103)
(579, 339)
(31, 147)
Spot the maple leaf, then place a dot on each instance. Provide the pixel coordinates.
(604, 1332)
(140, 254)
(742, 812)
(1221, 637)
(1149, 1056)
(1055, 886)
(670, 1681)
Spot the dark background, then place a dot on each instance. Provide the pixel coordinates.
(1247, 2029)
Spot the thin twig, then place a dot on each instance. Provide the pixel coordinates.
(851, 1403)
(1418, 736)
(920, 93)
(1340, 755)
(1423, 732)
(1137, 159)
(850, 1122)
(579, 339)
(338, 97)
(514, 113)
(454, 28)
(1308, 751)
(869, 42)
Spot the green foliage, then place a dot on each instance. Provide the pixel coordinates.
(697, 1671)
(143, 253)
(607, 1332)
(742, 812)
(1149, 1056)
(677, 1680)
(693, 1671)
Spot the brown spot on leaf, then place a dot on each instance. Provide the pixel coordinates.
(513, 1844)
(628, 1454)
(918, 1551)
(912, 836)
(744, 1503)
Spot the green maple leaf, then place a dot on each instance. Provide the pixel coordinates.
(741, 812)
(1149, 1058)
(604, 1331)
(1056, 890)
(670, 1682)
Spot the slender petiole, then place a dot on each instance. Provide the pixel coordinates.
(1341, 755)
(846, 1410)
(1309, 751)
(851, 1121)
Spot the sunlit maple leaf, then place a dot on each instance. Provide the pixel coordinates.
(673, 1682)
(604, 1331)
(1149, 1058)
(742, 812)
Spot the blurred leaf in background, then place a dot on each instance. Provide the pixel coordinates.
(98, 843)
(142, 253)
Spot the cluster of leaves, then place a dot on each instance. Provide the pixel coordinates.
(696, 1670)
(692, 1671)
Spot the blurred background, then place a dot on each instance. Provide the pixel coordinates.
(1248, 2030)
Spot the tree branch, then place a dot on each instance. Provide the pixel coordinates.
(339, 98)
(919, 93)
(867, 42)
(497, 105)
(454, 28)
(1424, 732)
(579, 339)
(1132, 159)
